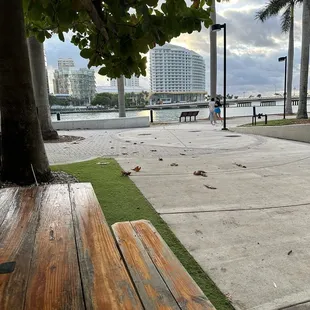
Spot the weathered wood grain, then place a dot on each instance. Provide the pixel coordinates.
(54, 281)
(152, 290)
(186, 292)
(17, 234)
(6, 201)
(106, 283)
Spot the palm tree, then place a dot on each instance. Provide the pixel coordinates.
(273, 8)
(304, 64)
(213, 51)
(39, 82)
(121, 96)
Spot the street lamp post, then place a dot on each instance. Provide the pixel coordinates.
(218, 27)
(285, 72)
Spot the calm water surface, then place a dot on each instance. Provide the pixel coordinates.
(173, 114)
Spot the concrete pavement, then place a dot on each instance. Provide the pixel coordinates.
(250, 233)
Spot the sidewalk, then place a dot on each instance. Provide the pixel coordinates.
(250, 233)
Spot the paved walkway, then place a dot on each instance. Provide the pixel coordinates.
(250, 233)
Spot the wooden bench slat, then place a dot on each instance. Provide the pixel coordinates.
(186, 292)
(54, 281)
(152, 290)
(17, 235)
(105, 280)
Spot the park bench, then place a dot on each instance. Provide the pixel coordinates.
(259, 116)
(189, 114)
(58, 252)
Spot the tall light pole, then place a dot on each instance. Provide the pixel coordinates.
(281, 59)
(218, 27)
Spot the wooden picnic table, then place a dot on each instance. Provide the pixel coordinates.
(58, 252)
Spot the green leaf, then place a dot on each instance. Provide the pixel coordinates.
(61, 37)
(86, 53)
(103, 71)
(40, 36)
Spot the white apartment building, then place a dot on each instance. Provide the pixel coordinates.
(78, 83)
(131, 82)
(177, 70)
(65, 63)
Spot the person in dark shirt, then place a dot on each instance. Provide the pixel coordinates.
(217, 110)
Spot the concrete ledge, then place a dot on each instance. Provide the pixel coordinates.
(114, 123)
(289, 132)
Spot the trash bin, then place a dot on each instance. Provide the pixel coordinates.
(58, 116)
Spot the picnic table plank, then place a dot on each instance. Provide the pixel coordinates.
(54, 281)
(153, 291)
(6, 201)
(186, 292)
(17, 236)
(106, 283)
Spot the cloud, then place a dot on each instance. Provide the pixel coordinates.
(54, 49)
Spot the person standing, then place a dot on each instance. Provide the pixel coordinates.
(217, 109)
(211, 111)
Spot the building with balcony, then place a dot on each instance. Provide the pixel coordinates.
(176, 74)
(79, 83)
(130, 83)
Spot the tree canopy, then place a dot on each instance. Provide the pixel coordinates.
(115, 34)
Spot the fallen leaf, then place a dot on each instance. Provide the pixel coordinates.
(153, 150)
(290, 252)
(124, 153)
(239, 165)
(112, 147)
(160, 159)
(200, 172)
(210, 187)
(174, 165)
(127, 141)
(126, 173)
(182, 154)
(137, 169)
(135, 143)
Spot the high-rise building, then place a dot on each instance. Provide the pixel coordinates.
(174, 69)
(65, 63)
(131, 82)
(79, 83)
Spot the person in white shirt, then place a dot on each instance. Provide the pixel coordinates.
(211, 110)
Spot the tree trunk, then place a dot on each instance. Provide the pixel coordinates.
(288, 107)
(213, 54)
(121, 96)
(304, 64)
(22, 143)
(39, 82)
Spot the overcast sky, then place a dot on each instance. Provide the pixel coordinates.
(252, 50)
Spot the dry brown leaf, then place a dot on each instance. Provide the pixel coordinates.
(137, 169)
(126, 173)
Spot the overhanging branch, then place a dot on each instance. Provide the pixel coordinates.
(95, 17)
